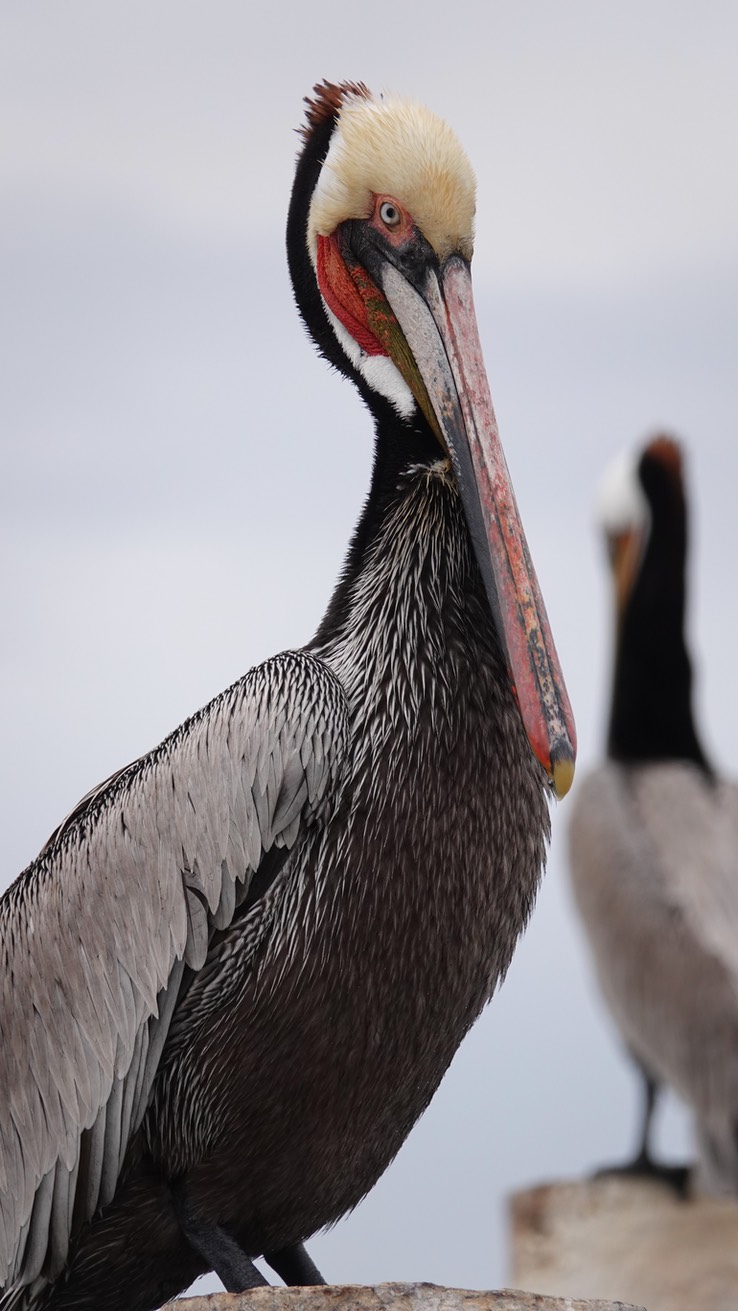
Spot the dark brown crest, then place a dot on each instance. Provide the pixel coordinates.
(667, 452)
(326, 101)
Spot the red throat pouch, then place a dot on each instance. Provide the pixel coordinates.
(348, 299)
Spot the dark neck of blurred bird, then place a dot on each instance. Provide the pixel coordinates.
(651, 715)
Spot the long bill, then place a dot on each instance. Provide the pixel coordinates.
(440, 327)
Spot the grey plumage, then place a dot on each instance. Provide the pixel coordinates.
(93, 946)
(435, 770)
(654, 868)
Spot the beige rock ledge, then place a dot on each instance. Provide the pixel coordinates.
(386, 1297)
(631, 1239)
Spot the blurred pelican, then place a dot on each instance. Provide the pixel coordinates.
(654, 832)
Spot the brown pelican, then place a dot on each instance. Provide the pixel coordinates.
(654, 832)
(234, 977)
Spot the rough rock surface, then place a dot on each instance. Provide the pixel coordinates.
(385, 1297)
(627, 1238)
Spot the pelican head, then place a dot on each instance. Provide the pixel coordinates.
(380, 240)
(631, 487)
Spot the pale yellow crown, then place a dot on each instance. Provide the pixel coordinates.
(397, 148)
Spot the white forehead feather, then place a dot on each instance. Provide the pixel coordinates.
(394, 147)
(621, 500)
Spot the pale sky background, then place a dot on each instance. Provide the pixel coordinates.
(180, 473)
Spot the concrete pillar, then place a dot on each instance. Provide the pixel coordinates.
(628, 1239)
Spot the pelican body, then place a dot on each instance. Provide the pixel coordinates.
(654, 832)
(234, 978)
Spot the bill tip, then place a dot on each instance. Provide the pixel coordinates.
(562, 775)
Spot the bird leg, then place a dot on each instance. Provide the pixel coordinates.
(294, 1266)
(231, 1264)
(643, 1163)
(222, 1253)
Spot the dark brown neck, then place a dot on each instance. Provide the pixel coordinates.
(651, 717)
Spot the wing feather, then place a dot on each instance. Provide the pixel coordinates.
(38, 1231)
(198, 928)
(92, 1155)
(654, 863)
(95, 935)
(224, 910)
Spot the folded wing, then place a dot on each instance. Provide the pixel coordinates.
(96, 934)
(654, 862)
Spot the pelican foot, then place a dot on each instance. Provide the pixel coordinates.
(676, 1177)
(294, 1266)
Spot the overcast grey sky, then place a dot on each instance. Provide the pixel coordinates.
(180, 474)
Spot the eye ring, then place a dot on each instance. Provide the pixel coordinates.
(390, 214)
